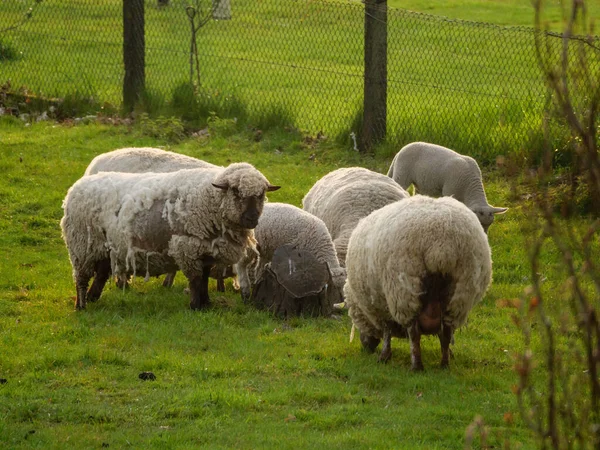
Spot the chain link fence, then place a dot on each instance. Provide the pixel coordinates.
(471, 86)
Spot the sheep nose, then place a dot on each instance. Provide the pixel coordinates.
(249, 219)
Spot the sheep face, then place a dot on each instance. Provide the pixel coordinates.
(244, 190)
(486, 215)
(244, 208)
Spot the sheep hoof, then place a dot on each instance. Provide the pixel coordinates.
(445, 365)
(369, 343)
(385, 357)
(417, 367)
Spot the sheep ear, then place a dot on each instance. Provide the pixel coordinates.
(271, 188)
(495, 210)
(221, 186)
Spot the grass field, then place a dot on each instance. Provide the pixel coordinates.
(470, 86)
(230, 376)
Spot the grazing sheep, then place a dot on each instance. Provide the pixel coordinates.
(144, 159)
(343, 197)
(190, 219)
(438, 171)
(148, 159)
(282, 224)
(416, 266)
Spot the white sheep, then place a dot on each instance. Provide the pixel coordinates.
(282, 224)
(416, 266)
(161, 222)
(438, 171)
(343, 197)
(144, 159)
(149, 159)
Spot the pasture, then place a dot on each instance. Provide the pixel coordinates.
(231, 376)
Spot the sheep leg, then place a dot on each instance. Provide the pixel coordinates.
(445, 339)
(199, 290)
(82, 280)
(414, 335)
(169, 279)
(220, 284)
(386, 349)
(369, 343)
(100, 278)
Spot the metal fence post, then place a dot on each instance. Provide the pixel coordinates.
(375, 87)
(133, 52)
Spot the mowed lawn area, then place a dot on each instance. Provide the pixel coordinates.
(231, 376)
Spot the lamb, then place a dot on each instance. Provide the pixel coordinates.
(438, 171)
(148, 159)
(416, 266)
(144, 159)
(282, 224)
(343, 197)
(188, 220)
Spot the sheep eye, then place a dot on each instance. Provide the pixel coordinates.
(235, 191)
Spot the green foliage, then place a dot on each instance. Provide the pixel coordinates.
(7, 52)
(196, 106)
(170, 129)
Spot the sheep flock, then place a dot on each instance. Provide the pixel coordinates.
(407, 265)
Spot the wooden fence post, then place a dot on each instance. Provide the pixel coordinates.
(375, 88)
(133, 52)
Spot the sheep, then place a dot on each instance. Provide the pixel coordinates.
(343, 197)
(144, 159)
(189, 220)
(148, 159)
(416, 266)
(438, 171)
(282, 224)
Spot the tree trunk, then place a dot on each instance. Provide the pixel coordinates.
(375, 91)
(133, 52)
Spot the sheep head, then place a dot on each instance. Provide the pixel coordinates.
(243, 188)
(486, 214)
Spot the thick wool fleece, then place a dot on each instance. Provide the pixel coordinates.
(160, 220)
(393, 249)
(283, 224)
(343, 197)
(438, 171)
(144, 159)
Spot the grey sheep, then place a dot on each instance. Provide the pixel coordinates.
(149, 159)
(144, 159)
(282, 224)
(161, 222)
(416, 266)
(343, 197)
(438, 171)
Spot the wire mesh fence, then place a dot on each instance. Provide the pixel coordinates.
(471, 86)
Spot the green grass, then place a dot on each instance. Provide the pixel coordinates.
(470, 86)
(230, 376)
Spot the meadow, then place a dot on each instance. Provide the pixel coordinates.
(231, 376)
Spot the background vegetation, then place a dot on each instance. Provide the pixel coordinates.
(472, 86)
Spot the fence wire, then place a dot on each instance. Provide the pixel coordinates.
(472, 86)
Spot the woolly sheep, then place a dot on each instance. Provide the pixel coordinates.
(282, 224)
(149, 159)
(438, 171)
(190, 219)
(416, 266)
(343, 197)
(144, 159)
